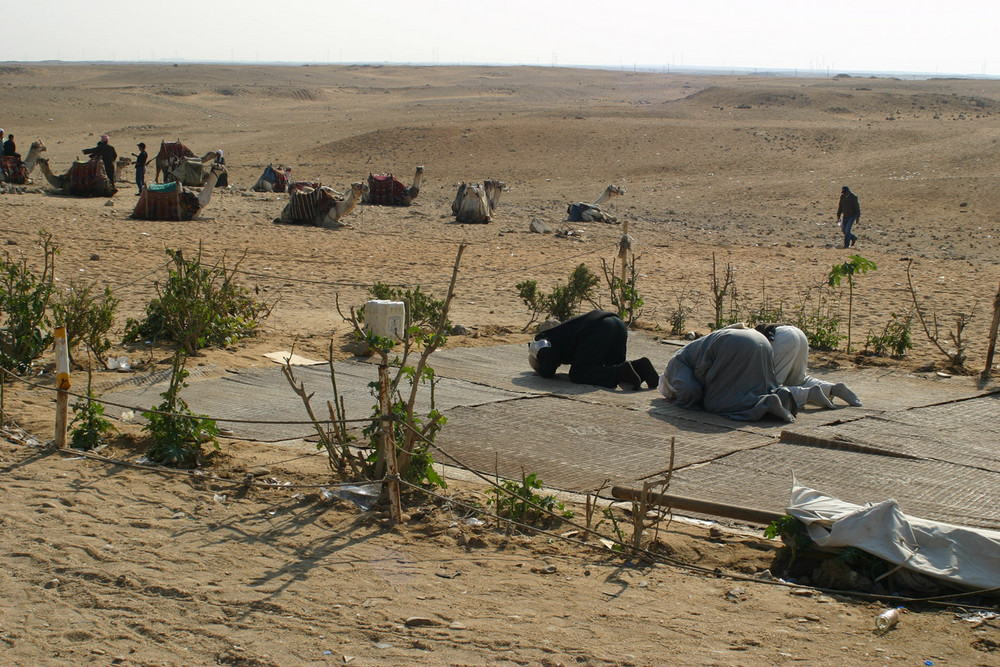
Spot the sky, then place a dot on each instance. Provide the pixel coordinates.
(918, 36)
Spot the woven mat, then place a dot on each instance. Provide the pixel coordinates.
(928, 442)
(577, 446)
(762, 478)
(263, 394)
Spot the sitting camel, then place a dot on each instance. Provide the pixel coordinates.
(189, 171)
(273, 180)
(120, 167)
(385, 190)
(476, 203)
(173, 201)
(86, 178)
(322, 207)
(14, 170)
(174, 150)
(581, 212)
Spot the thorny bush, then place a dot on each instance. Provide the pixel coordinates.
(199, 306)
(24, 302)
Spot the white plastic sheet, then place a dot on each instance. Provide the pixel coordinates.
(969, 557)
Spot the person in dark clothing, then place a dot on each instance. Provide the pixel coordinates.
(594, 347)
(141, 160)
(9, 149)
(850, 211)
(107, 154)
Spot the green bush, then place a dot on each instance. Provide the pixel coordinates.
(87, 317)
(517, 500)
(89, 426)
(416, 466)
(24, 301)
(198, 307)
(177, 432)
(894, 340)
(562, 303)
(821, 324)
(624, 291)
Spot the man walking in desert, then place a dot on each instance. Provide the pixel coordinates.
(850, 210)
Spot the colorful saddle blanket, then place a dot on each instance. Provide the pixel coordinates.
(166, 202)
(88, 179)
(14, 170)
(385, 190)
(298, 186)
(272, 175)
(308, 206)
(173, 149)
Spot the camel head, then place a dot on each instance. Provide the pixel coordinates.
(37, 145)
(615, 190)
(359, 189)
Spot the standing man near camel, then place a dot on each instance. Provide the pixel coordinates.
(850, 210)
(107, 153)
(140, 167)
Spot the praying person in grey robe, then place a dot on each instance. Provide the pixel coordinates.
(729, 372)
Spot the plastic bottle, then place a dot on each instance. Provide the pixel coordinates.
(887, 619)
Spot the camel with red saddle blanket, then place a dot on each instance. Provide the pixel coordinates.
(173, 201)
(171, 154)
(385, 190)
(85, 178)
(16, 171)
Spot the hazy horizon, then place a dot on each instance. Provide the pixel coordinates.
(917, 37)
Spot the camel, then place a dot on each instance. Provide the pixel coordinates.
(322, 207)
(385, 190)
(120, 166)
(173, 201)
(85, 178)
(476, 203)
(175, 150)
(272, 180)
(581, 212)
(14, 170)
(189, 171)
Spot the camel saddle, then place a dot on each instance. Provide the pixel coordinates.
(307, 206)
(576, 211)
(168, 201)
(190, 171)
(14, 170)
(173, 149)
(298, 186)
(385, 190)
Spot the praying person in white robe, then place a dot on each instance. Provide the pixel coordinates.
(791, 361)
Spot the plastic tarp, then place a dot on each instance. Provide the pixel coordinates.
(969, 557)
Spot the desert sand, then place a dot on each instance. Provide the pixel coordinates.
(106, 564)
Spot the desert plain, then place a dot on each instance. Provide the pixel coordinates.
(106, 564)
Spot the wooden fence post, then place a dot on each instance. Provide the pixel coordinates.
(993, 337)
(62, 386)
